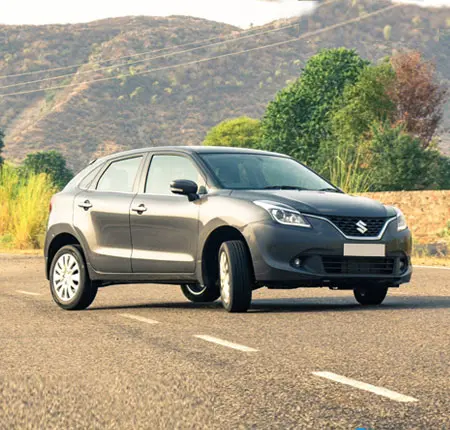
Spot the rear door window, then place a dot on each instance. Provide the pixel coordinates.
(120, 176)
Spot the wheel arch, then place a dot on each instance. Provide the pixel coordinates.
(56, 243)
(209, 263)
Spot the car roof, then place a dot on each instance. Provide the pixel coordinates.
(191, 150)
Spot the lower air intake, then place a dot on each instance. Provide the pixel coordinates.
(359, 265)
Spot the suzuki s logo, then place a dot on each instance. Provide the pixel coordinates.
(361, 226)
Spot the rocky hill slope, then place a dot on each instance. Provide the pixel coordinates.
(177, 106)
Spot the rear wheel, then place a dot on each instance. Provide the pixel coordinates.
(236, 279)
(70, 285)
(370, 296)
(198, 293)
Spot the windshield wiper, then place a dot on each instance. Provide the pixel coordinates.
(332, 190)
(283, 187)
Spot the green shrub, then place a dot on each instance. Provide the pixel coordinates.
(399, 162)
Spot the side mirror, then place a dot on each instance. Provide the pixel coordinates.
(185, 187)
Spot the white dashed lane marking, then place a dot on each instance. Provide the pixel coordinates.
(225, 343)
(139, 318)
(380, 391)
(29, 293)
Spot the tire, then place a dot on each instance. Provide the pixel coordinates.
(199, 293)
(70, 285)
(235, 274)
(370, 296)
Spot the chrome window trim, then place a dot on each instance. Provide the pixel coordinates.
(380, 235)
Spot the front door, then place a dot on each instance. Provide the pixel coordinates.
(102, 217)
(164, 226)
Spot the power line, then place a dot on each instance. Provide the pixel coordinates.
(152, 58)
(146, 52)
(34, 72)
(203, 60)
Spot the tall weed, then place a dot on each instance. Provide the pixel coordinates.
(346, 170)
(24, 201)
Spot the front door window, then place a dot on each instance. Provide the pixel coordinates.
(166, 168)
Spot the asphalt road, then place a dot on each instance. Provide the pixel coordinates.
(133, 360)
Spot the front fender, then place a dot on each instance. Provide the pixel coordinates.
(234, 213)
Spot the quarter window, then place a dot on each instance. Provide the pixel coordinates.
(166, 168)
(87, 181)
(120, 176)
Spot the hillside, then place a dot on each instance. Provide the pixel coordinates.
(178, 106)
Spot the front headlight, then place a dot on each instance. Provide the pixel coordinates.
(401, 220)
(283, 214)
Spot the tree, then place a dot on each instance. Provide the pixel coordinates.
(298, 120)
(51, 163)
(363, 103)
(418, 95)
(399, 162)
(2, 135)
(243, 132)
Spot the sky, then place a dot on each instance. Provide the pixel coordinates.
(240, 13)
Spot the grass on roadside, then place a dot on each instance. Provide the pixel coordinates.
(24, 201)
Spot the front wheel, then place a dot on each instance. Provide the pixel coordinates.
(70, 285)
(236, 279)
(200, 293)
(370, 296)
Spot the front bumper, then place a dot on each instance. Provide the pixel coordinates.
(274, 247)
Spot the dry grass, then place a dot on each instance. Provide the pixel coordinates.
(32, 252)
(431, 261)
(24, 202)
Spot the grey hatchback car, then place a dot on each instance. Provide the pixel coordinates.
(219, 222)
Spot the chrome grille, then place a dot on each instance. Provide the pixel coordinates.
(349, 225)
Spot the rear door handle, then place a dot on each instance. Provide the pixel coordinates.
(139, 209)
(85, 205)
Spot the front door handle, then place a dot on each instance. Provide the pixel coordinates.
(85, 205)
(139, 209)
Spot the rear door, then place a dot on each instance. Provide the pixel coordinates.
(164, 226)
(101, 215)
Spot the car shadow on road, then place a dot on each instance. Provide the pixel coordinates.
(347, 305)
(309, 304)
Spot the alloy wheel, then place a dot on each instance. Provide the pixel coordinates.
(66, 277)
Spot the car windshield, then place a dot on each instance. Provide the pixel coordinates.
(240, 171)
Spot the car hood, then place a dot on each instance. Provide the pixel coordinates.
(321, 202)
